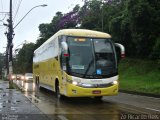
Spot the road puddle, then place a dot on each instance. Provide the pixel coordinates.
(14, 108)
(1, 106)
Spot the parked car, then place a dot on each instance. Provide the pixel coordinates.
(28, 77)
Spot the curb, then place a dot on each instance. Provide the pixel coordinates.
(19, 87)
(140, 93)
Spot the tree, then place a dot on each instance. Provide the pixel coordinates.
(90, 15)
(23, 62)
(134, 23)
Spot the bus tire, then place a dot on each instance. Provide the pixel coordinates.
(57, 91)
(37, 83)
(36, 80)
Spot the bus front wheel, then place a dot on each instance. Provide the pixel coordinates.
(58, 94)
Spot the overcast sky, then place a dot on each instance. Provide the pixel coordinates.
(28, 28)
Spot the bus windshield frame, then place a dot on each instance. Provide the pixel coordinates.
(91, 57)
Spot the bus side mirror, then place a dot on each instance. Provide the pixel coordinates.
(64, 49)
(122, 49)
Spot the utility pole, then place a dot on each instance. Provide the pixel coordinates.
(6, 67)
(10, 44)
(10, 35)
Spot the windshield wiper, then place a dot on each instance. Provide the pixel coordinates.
(90, 63)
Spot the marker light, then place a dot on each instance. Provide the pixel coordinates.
(66, 55)
(123, 55)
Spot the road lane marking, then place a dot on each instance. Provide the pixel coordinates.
(62, 117)
(35, 98)
(142, 96)
(133, 109)
(153, 109)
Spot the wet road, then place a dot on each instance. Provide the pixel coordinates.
(121, 107)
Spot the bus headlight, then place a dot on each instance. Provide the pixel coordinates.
(115, 82)
(74, 82)
(85, 85)
(78, 83)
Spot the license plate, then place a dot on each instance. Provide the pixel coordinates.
(96, 92)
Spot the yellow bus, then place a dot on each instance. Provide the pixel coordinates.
(78, 63)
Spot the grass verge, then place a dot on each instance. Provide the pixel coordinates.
(140, 76)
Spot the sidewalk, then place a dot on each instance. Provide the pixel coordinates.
(15, 106)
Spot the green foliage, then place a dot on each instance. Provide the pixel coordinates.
(48, 29)
(134, 23)
(91, 16)
(156, 49)
(139, 75)
(23, 61)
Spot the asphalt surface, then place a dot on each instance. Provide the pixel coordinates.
(42, 104)
(121, 107)
(147, 103)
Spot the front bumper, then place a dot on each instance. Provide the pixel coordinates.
(76, 91)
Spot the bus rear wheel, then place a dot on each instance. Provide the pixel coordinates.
(37, 80)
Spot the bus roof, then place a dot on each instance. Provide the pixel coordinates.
(83, 32)
(79, 33)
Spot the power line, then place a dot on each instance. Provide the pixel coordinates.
(2, 12)
(14, 6)
(17, 9)
(2, 5)
(3, 18)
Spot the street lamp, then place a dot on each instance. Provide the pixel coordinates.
(10, 38)
(44, 5)
(16, 49)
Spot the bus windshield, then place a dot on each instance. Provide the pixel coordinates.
(91, 57)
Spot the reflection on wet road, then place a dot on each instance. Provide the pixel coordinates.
(76, 108)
